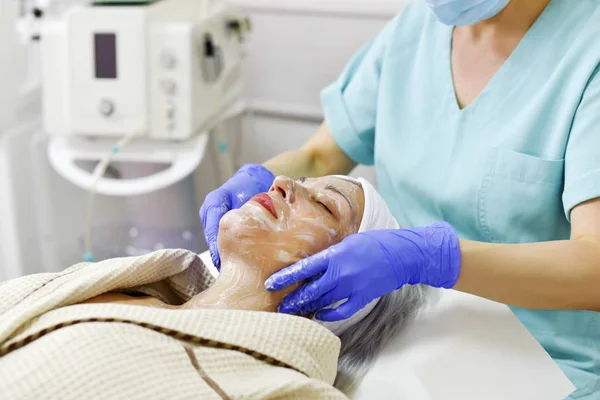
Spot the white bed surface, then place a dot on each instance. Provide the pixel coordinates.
(465, 347)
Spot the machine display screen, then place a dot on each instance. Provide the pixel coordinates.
(105, 52)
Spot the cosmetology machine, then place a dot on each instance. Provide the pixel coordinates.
(132, 91)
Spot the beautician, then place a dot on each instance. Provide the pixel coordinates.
(482, 118)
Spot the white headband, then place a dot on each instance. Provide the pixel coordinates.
(376, 216)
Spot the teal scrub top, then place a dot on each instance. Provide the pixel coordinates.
(509, 167)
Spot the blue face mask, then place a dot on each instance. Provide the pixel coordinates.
(465, 12)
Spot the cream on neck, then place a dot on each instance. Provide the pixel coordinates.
(240, 286)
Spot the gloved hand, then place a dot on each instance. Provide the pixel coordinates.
(248, 181)
(366, 266)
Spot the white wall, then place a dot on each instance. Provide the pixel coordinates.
(298, 47)
(11, 74)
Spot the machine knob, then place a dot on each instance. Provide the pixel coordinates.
(169, 86)
(168, 59)
(170, 111)
(107, 108)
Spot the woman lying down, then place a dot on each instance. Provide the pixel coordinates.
(159, 326)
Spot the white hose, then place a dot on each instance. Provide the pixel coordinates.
(98, 173)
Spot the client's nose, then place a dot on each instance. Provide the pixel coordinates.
(285, 187)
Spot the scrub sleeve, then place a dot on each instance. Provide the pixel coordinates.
(350, 103)
(582, 157)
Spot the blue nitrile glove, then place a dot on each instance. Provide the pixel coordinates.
(366, 266)
(247, 182)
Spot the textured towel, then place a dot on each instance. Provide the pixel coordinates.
(53, 349)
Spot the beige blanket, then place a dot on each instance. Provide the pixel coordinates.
(53, 349)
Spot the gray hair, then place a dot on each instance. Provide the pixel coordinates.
(363, 342)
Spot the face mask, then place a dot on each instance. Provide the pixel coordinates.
(465, 12)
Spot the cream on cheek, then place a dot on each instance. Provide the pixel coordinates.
(253, 245)
(296, 234)
(298, 228)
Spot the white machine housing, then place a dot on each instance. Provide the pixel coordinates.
(113, 69)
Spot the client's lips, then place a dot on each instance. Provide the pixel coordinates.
(265, 200)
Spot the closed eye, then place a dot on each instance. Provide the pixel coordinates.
(325, 207)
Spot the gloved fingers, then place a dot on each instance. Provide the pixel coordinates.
(217, 202)
(344, 311)
(298, 272)
(304, 299)
(239, 199)
(313, 278)
(211, 216)
(263, 177)
(322, 302)
(210, 235)
(214, 254)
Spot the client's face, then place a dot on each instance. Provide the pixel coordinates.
(294, 220)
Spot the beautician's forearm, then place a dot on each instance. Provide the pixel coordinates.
(320, 156)
(549, 275)
(295, 164)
